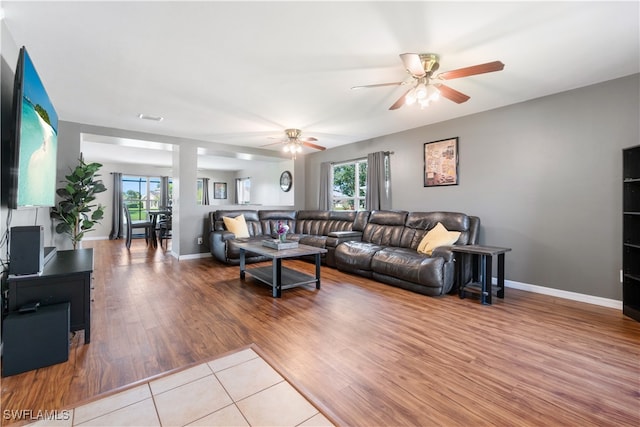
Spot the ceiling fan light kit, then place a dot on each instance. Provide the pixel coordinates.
(427, 88)
(423, 94)
(293, 143)
(292, 147)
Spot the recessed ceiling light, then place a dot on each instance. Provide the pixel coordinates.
(148, 117)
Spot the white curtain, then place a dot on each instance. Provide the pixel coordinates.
(324, 201)
(378, 182)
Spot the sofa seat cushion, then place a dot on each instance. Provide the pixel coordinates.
(316, 241)
(233, 251)
(409, 265)
(356, 256)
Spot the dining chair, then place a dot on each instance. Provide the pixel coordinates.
(164, 230)
(138, 224)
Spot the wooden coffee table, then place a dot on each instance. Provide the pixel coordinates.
(277, 276)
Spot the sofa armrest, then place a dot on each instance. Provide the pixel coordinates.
(218, 244)
(336, 237)
(343, 234)
(225, 235)
(466, 266)
(444, 252)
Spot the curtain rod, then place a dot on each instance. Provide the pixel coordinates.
(388, 153)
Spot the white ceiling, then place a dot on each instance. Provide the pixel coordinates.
(239, 72)
(109, 149)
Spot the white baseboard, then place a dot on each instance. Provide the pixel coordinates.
(194, 256)
(575, 296)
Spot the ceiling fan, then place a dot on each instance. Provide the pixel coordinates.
(292, 143)
(425, 87)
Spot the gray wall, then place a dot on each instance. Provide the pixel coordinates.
(544, 176)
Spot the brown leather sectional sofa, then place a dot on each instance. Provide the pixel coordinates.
(381, 244)
(387, 251)
(324, 229)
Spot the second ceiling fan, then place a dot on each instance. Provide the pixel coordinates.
(425, 87)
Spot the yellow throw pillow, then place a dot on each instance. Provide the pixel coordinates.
(437, 236)
(237, 226)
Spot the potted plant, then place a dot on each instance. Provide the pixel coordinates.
(75, 212)
(281, 229)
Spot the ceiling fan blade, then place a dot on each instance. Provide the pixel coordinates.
(310, 145)
(400, 102)
(379, 85)
(412, 64)
(310, 138)
(489, 67)
(452, 94)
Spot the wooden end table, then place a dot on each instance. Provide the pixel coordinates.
(482, 262)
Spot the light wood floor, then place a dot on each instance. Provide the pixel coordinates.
(372, 353)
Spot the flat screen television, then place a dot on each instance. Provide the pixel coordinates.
(34, 140)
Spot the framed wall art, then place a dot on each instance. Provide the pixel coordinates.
(441, 162)
(219, 190)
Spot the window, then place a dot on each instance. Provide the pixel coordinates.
(349, 185)
(142, 193)
(243, 191)
(199, 190)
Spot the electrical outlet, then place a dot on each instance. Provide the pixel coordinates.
(199, 240)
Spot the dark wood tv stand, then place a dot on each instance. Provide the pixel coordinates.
(65, 278)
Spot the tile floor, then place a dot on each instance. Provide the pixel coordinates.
(240, 389)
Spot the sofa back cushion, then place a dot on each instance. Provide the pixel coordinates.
(385, 228)
(270, 218)
(251, 218)
(360, 222)
(321, 223)
(474, 230)
(311, 222)
(419, 223)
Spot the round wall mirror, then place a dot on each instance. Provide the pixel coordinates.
(286, 181)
